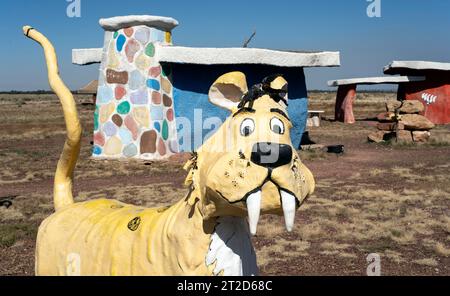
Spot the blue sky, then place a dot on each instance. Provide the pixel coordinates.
(407, 30)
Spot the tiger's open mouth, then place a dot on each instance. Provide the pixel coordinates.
(252, 200)
(289, 204)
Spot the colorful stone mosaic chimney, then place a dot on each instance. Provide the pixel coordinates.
(134, 114)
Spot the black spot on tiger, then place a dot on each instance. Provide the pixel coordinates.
(133, 225)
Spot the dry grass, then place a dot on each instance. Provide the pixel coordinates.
(373, 220)
(427, 262)
(376, 203)
(367, 104)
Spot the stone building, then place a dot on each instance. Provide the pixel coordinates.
(152, 97)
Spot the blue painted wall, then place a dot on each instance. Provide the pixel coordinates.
(191, 85)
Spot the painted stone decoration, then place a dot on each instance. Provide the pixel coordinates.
(128, 32)
(110, 129)
(165, 130)
(153, 84)
(157, 126)
(120, 92)
(167, 101)
(116, 77)
(113, 146)
(120, 42)
(139, 97)
(148, 142)
(117, 119)
(156, 113)
(97, 150)
(96, 113)
(142, 116)
(125, 136)
(155, 71)
(130, 150)
(161, 147)
(123, 108)
(143, 62)
(99, 139)
(169, 115)
(104, 94)
(156, 98)
(137, 80)
(106, 111)
(131, 49)
(113, 59)
(142, 35)
(150, 50)
(166, 85)
(132, 126)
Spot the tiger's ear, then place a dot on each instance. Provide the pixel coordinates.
(227, 91)
(278, 82)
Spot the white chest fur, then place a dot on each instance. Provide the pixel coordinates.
(231, 248)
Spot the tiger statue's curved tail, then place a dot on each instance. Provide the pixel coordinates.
(62, 190)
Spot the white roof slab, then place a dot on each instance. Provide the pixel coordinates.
(376, 80)
(226, 56)
(87, 56)
(120, 22)
(397, 66)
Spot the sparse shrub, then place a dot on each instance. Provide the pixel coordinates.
(10, 233)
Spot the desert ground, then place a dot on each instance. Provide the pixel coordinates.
(392, 200)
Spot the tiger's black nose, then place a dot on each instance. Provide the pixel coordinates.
(271, 155)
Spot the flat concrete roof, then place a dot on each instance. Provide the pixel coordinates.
(376, 80)
(396, 67)
(225, 56)
(120, 22)
(87, 56)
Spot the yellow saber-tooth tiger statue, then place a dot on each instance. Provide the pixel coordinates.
(247, 168)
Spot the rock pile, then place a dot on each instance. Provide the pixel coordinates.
(402, 123)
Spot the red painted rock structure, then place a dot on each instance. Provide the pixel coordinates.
(346, 93)
(433, 93)
(426, 82)
(402, 123)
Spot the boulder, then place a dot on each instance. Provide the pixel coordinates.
(421, 136)
(380, 136)
(391, 106)
(408, 107)
(386, 117)
(412, 107)
(404, 136)
(416, 122)
(390, 126)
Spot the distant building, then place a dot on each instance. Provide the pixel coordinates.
(433, 92)
(428, 82)
(147, 86)
(90, 88)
